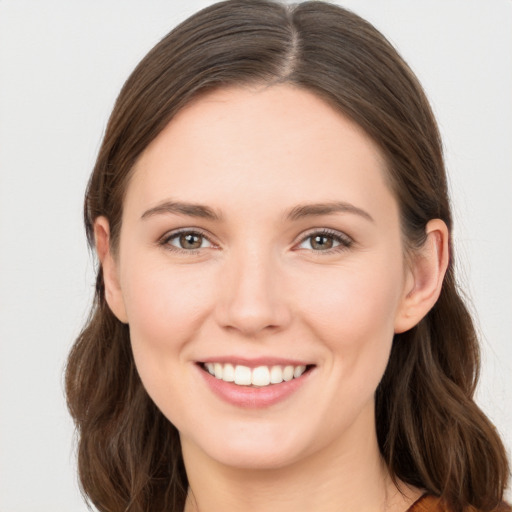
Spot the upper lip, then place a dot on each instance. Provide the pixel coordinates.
(255, 362)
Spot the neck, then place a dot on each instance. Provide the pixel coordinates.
(350, 477)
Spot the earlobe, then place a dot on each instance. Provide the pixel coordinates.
(425, 277)
(113, 293)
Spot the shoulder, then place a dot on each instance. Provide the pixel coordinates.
(430, 503)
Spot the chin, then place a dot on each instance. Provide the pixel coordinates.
(257, 448)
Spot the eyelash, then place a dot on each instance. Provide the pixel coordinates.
(344, 241)
(164, 241)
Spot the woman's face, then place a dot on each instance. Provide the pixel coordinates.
(259, 234)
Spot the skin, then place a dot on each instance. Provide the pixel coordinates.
(257, 287)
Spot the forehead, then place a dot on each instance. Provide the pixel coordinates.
(255, 143)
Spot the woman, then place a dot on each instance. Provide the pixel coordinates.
(277, 324)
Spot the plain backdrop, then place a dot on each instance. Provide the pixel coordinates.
(62, 64)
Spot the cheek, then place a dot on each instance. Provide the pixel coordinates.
(353, 299)
(165, 308)
(160, 299)
(352, 310)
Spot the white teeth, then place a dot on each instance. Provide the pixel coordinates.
(242, 375)
(276, 375)
(288, 373)
(297, 372)
(260, 376)
(228, 374)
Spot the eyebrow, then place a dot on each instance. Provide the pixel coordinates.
(296, 213)
(180, 208)
(312, 210)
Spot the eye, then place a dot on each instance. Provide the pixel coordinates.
(325, 240)
(187, 241)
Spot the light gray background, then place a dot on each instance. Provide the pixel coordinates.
(62, 64)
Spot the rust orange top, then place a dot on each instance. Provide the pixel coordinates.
(429, 503)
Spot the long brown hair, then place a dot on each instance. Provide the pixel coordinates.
(430, 431)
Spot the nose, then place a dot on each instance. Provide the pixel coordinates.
(252, 299)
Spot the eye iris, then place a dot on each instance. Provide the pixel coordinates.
(190, 241)
(321, 242)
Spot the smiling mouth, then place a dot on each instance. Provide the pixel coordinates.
(261, 376)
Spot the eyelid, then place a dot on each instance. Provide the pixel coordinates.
(345, 241)
(164, 240)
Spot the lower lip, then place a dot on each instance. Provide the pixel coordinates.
(253, 397)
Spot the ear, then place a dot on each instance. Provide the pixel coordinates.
(427, 267)
(113, 293)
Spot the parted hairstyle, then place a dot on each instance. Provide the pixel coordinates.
(430, 431)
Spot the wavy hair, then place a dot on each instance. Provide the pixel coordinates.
(430, 431)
